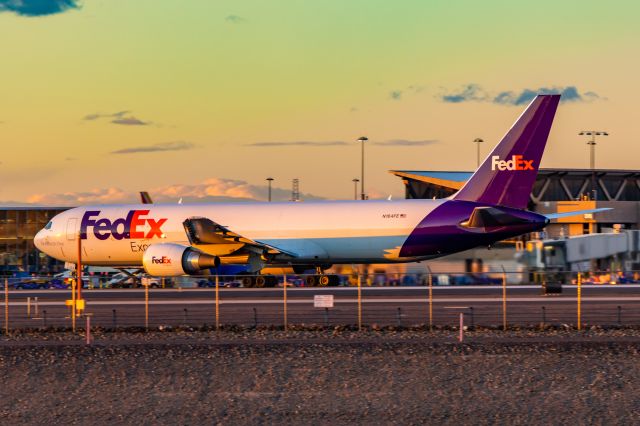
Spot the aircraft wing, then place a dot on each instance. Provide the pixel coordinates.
(203, 231)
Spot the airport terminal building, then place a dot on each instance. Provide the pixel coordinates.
(18, 226)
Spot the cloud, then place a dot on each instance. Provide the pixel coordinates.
(119, 114)
(220, 189)
(234, 19)
(297, 143)
(121, 117)
(569, 94)
(158, 147)
(405, 142)
(473, 92)
(470, 92)
(32, 8)
(94, 196)
(210, 190)
(392, 142)
(592, 96)
(398, 94)
(130, 121)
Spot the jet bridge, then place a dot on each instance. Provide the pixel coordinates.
(616, 249)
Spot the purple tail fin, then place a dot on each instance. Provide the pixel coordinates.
(507, 175)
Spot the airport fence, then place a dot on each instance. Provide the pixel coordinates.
(428, 300)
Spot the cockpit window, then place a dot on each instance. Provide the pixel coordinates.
(49, 225)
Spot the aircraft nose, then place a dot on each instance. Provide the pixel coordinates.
(38, 239)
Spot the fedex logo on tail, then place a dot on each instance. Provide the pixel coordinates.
(516, 163)
(129, 227)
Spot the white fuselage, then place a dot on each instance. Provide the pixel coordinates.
(331, 232)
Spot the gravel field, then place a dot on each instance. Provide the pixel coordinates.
(339, 376)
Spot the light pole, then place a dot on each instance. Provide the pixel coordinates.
(355, 188)
(478, 141)
(269, 180)
(362, 140)
(592, 156)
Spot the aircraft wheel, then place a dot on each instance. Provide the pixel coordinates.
(271, 281)
(261, 281)
(310, 281)
(334, 280)
(323, 280)
(248, 282)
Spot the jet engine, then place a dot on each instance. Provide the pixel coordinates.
(170, 260)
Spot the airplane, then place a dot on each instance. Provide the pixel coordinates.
(190, 239)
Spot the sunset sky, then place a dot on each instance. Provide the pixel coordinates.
(204, 99)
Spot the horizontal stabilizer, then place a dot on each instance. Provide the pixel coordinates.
(491, 217)
(576, 213)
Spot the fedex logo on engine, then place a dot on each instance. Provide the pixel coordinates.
(160, 260)
(516, 163)
(130, 227)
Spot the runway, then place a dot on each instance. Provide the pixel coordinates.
(398, 306)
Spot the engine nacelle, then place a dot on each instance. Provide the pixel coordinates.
(171, 260)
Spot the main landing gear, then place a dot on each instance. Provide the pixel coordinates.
(322, 280)
(260, 281)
